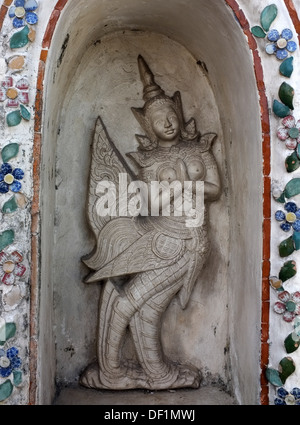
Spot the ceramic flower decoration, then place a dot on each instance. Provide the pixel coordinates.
(11, 267)
(290, 218)
(281, 43)
(288, 306)
(287, 398)
(14, 94)
(23, 12)
(9, 361)
(10, 178)
(289, 132)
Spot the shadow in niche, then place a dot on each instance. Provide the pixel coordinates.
(211, 319)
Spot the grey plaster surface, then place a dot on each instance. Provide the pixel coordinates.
(201, 396)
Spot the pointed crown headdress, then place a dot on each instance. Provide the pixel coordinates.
(154, 96)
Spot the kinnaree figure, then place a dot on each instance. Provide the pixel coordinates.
(143, 262)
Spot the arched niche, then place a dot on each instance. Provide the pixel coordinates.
(199, 49)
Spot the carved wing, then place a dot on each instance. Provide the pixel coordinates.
(106, 164)
(153, 250)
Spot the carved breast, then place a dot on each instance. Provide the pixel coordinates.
(167, 174)
(196, 169)
(161, 164)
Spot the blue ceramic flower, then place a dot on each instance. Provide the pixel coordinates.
(9, 361)
(290, 219)
(9, 178)
(23, 12)
(287, 398)
(281, 44)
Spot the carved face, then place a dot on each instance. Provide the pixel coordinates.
(165, 123)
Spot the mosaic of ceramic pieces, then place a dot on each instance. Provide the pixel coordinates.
(12, 296)
(267, 17)
(291, 189)
(281, 43)
(278, 377)
(23, 12)
(15, 96)
(287, 271)
(286, 67)
(286, 94)
(18, 200)
(289, 133)
(7, 237)
(9, 151)
(10, 362)
(292, 341)
(287, 398)
(10, 178)
(288, 305)
(276, 283)
(11, 267)
(280, 109)
(22, 38)
(290, 218)
(16, 63)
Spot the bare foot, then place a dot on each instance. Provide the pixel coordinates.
(133, 377)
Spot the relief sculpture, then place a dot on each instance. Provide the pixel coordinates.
(144, 261)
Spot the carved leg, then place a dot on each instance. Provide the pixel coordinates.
(108, 372)
(116, 312)
(145, 328)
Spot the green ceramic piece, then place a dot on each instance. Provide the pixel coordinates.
(291, 344)
(10, 206)
(296, 239)
(286, 368)
(267, 16)
(280, 109)
(292, 188)
(290, 306)
(286, 94)
(17, 374)
(20, 39)
(25, 113)
(292, 162)
(258, 32)
(288, 270)
(6, 238)
(273, 377)
(7, 331)
(293, 133)
(13, 118)
(5, 390)
(286, 68)
(9, 151)
(286, 247)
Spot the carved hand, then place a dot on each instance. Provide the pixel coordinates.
(181, 171)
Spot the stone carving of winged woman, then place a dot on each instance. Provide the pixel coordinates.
(143, 262)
